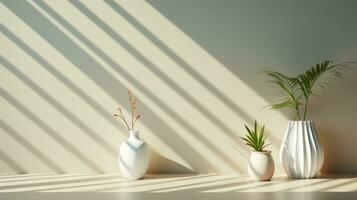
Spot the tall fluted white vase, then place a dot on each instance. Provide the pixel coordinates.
(134, 156)
(301, 152)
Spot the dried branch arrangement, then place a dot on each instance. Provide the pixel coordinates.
(134, 115)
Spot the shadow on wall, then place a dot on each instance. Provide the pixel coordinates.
(158, 162)
(199, 141)
(267, 38)
(280, 40)
(104, 80)
(33, 149)
(336, 114)
(101, 77)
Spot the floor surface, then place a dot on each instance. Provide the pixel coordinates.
(207, 186)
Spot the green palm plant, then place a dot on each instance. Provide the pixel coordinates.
(299, 89)
(255, 137)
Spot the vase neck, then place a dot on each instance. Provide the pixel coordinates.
(302, 123)
(134, 134)
(261, 152)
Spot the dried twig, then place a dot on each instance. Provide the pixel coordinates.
(134, 116)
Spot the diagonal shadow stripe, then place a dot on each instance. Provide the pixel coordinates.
(41, 177)
(119, 69)
(189, 69)
(5, 175)
(55, 182)
(16, 176)
(59, 107)
(51, 132)
(193, 185)
(323, 181)
(160, 182)
(12, 163)
(52, 70)
(120, 183)
(172, 84)
(34, 150)
(352, 181)
(102, 78)
(143, 88)
(72, 186)
(170, 53)
(186, 67)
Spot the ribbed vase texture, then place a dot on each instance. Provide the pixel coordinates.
(301, 152)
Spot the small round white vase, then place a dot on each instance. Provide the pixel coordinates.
(301, 152)
(261, 166)
(134, 156)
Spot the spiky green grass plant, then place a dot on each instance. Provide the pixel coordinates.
(256, 137)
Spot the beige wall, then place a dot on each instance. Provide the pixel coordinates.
(66, 65)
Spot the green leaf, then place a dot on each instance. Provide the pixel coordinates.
(285, 104)
(298, 89)
(255, 137)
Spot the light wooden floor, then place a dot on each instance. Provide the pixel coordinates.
(207, 186)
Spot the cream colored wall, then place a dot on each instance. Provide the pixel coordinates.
(66, 65)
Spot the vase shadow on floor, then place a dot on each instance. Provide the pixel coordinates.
(162, 165)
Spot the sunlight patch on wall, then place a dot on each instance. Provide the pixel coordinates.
(190, 94)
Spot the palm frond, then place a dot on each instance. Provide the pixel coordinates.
(285, 104)
(303, 84)
(289, 87)
(310, 78)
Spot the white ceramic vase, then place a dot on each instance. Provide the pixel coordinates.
(134, 156)
(301, 152)
(261, 165)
